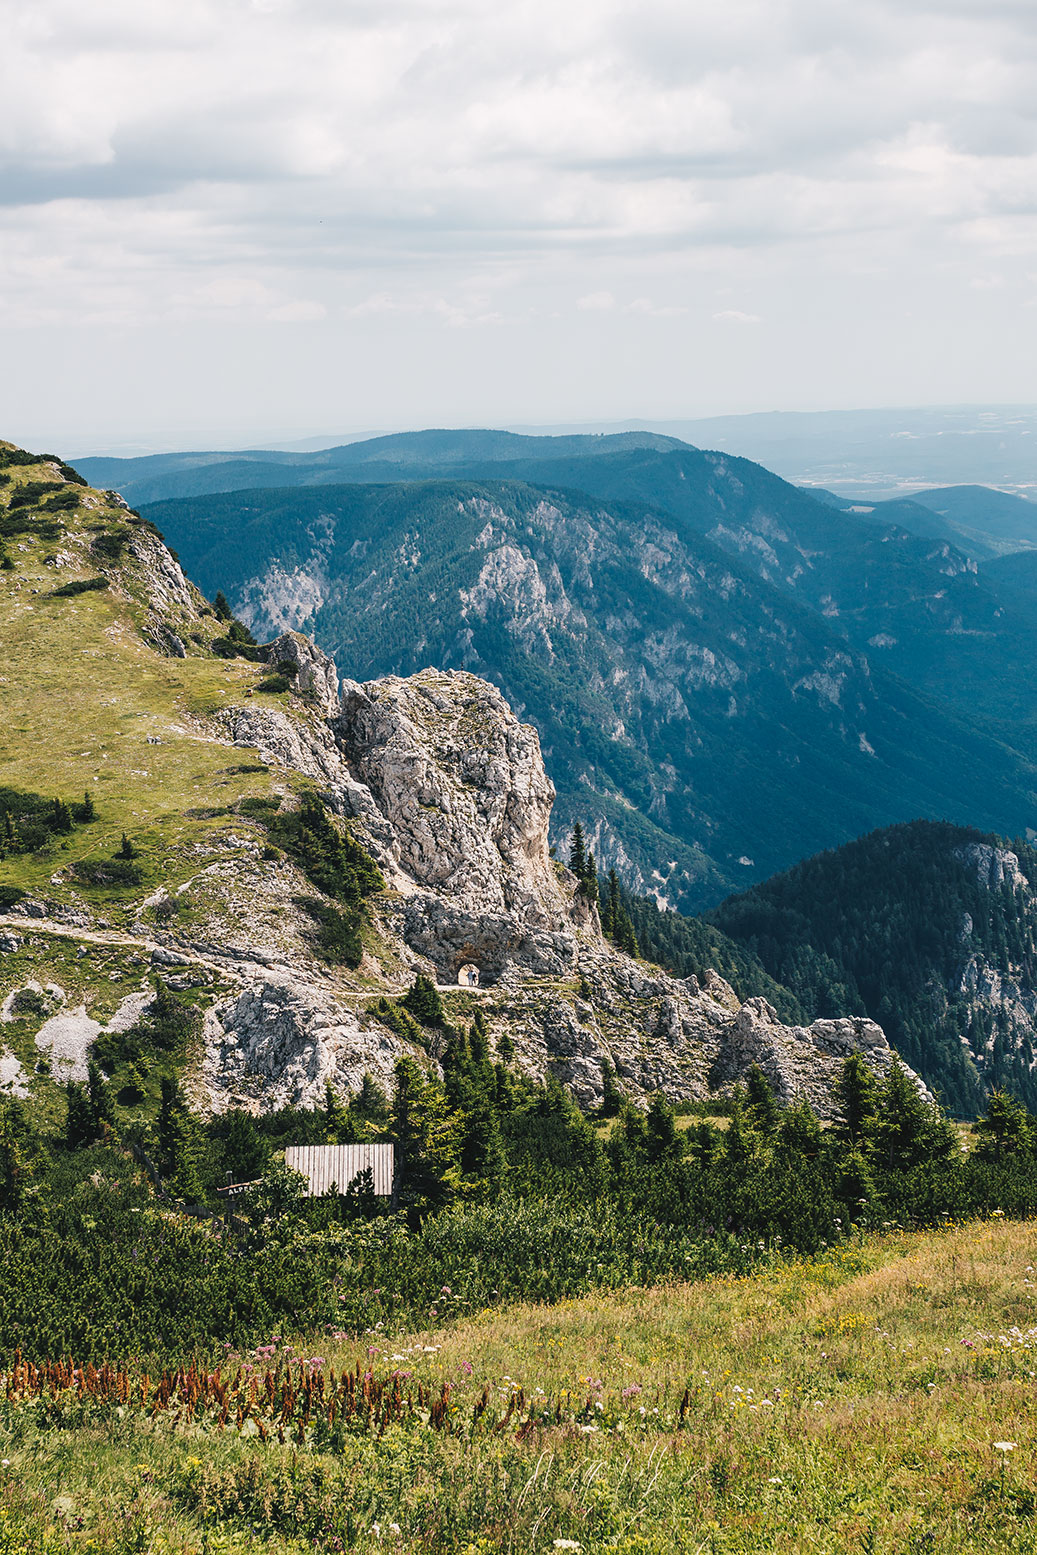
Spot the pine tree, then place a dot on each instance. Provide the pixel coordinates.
(100, 1093)
(857, 1095)
(60, 816)
(12, 1159)
(662, 1137)
(245, 1152)
(126, 848)
(220, 607)
(87, 811)
(80, 1126)
(423, 1002)
(761, 1107)
(427, 1136)
(578, 852)
(611, 1095)
(334, 1115)
(1005, 1131)
(371, 1103)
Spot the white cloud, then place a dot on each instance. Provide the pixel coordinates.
(445, 163)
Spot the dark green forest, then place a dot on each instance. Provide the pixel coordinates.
(887, 926)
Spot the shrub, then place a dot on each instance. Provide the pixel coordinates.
(274, 684)
(78, 586)
(98, 872)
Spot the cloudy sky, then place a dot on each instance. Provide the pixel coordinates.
(238, 220)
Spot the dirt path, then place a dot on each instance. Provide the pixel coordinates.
(120, 941)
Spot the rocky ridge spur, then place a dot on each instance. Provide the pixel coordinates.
(447, 790)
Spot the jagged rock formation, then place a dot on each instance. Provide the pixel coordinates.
(435, 774)
(449, 791)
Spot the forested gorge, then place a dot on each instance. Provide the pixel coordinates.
(889, 926)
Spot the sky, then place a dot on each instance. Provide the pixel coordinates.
(230, 221)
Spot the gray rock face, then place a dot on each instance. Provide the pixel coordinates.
(993, 866)
(447, 788)
(279, 1043)
(460, 788)
(799, 1062)
(313, 674)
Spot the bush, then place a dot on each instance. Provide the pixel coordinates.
(78, 586)
(274, 684)
(99, 872)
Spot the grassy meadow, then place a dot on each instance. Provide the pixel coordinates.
(880, 1397)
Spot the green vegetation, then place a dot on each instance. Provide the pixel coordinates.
(886, 926)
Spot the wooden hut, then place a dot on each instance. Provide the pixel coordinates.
(327, 1166)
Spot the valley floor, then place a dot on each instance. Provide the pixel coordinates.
(881, 1398)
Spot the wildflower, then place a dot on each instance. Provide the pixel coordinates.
(775, 1479)
(1004, 1446)
(567, 1544)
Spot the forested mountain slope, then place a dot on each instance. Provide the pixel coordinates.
(706, 725)
(898, 580)
(929, 928)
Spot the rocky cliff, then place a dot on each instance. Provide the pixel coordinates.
(193, 739)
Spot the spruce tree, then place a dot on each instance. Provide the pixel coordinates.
(60, 816)
(761, 1107)
(611, 1095)
(371, 1103)
(80, 1126)
(423, 1002)
(245, 1151)
(578, 852)
(427, 1139)
(857, 1095)
(100, 1093)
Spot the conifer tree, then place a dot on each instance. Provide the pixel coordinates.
(578, 852)
(1006, 1130)
(371, 1103)
(611, 1095)
(334, 1114)
(760, 1105)
(427, 1137)
(12, 1160)
(100, 1093)
(857, 1095)
(80, 1127)
(422, 1000)
(245, 1151)
(60, 816)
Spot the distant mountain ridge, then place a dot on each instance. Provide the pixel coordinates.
(396, 456)
(709, 726)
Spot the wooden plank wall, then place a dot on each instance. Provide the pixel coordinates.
(325, 1165)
